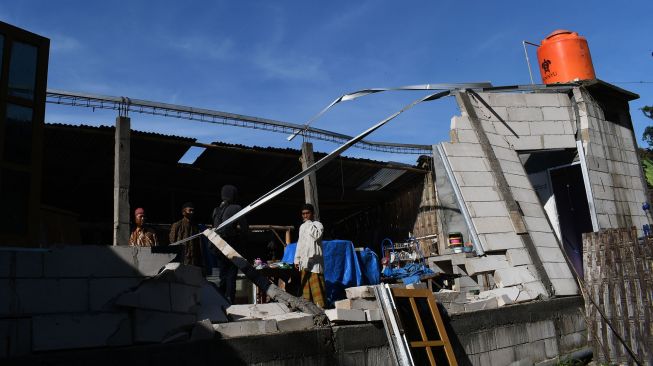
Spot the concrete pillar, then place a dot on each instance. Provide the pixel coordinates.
(121, 172)
(310, 181)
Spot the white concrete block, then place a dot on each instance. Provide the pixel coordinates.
(532, 209)
(484, 304)
(463, 150)
(546, 128)
(518, 257)
(153, 294)
(537, 224)
(550, 254)
(518, 180)
(475, 179)
(534, 289)
(256, 311)
(202, 330)
(490, 263)
(525, 142)
(468, 164)
(461, 123)
(360, 292)
(485, 209)
(246, 328)
(541, 239)
(290, 322)
(155, 326)
(512, 167)
(498, 140)
(68, 331)
(212, 304)
(463, 136)
(544, 100)
(525, 114)
(47, 296)
(559, 141)
(444, 295)
(104, 291)
(512, 128)
(182, 273)
(373, 315)
(524, 195)
(501, 241)
(349, 315)
(512, 276)
(504, 296)
(505, 99)
(356, 304)
(564, 286)
(556, 113)
(487, 225)
(507, 154)
(557, 270)
(479, 194)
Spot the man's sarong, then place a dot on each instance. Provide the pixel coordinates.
(313, 287)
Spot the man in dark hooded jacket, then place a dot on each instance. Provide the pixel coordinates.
(235, 234)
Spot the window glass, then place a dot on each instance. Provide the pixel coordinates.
(22, 70)
(18, 134)
(14, 195)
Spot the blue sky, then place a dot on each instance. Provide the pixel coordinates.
(286, 60)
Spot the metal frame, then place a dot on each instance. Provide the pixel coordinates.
(461, 202)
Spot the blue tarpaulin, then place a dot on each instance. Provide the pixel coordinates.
(343, 266)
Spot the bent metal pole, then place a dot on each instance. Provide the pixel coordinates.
(275, 293)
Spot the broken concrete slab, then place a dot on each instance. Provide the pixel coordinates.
(256, 311)
(290, 322)
(356, 304)
(504, 296)
(203, 329)
(182, 273)
(487, 264)
(360, 292)
(152, 294)
(104, 291)
(518, 257)
(212, 304)
(345, 315)
(155, 326)
(483, 304)
(513, 276)
(246, 328)
(445, 295)
(184, 298)
(68, 331)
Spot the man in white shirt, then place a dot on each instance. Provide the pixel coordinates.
(308, 257)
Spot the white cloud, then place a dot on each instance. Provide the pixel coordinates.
(63, 43)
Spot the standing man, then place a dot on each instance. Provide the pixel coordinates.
(182, 229)
(308, 257)
(142, 236)
(235, 234)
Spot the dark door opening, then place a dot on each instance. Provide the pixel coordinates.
(573, 211)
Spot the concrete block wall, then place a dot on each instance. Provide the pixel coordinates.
(519, 335)
(612, 162)
(64, 298)
(512, 122)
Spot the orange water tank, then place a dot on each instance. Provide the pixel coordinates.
(564, 56)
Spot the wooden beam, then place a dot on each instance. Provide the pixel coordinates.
(310, 181)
